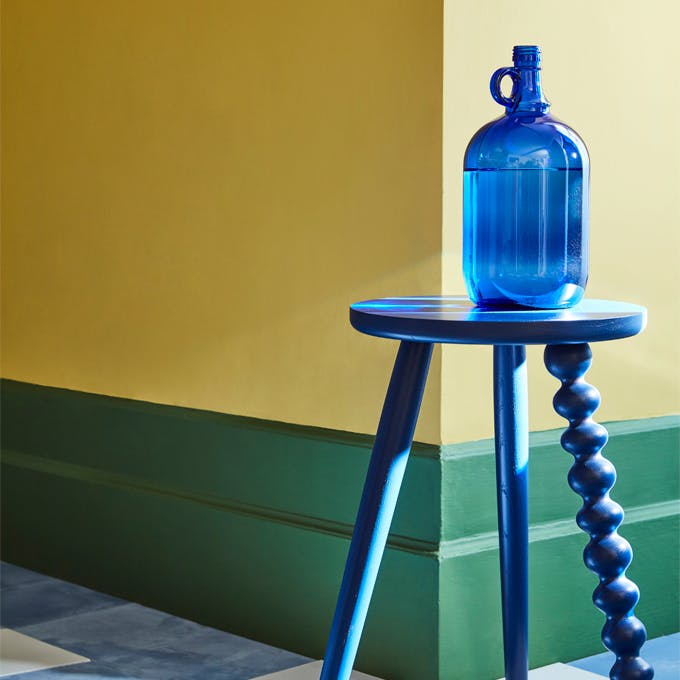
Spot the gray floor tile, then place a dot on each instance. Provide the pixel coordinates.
(48, 599)
(151, 644)
(12, 576)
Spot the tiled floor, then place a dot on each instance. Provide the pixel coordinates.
(125, 640)
(129, 642)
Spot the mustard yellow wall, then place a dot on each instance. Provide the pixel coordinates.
(195, 191)
(610, 71)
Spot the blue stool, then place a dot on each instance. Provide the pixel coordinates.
(419, 322)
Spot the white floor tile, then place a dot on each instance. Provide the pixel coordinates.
(558, 671)
(20, 653)
(309, 671)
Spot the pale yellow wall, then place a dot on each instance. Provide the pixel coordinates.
(611, 72)
(194, 192)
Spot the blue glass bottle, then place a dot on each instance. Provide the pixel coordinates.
(526, 200)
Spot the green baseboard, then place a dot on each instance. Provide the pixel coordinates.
(244, 525)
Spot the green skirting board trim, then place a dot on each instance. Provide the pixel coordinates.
(244, 525)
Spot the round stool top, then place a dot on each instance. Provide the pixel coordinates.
(454, 319)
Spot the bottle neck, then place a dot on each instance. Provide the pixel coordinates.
(530, 97)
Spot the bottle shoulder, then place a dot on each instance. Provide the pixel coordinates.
(526, 141)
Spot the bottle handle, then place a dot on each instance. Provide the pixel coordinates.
(495, 86)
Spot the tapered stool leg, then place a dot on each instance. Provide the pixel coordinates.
(512, 457)
(381, 488)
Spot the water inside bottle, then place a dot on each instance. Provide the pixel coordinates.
(522, 236)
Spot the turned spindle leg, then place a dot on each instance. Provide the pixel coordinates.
(592, 476)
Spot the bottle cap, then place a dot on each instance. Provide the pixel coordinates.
(526, 56)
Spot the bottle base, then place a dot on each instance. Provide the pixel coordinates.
(567, 295)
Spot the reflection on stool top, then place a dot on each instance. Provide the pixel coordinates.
(454, 319)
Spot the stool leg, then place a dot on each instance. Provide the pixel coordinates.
(512, 457)
(381, 488)
(592, 476)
